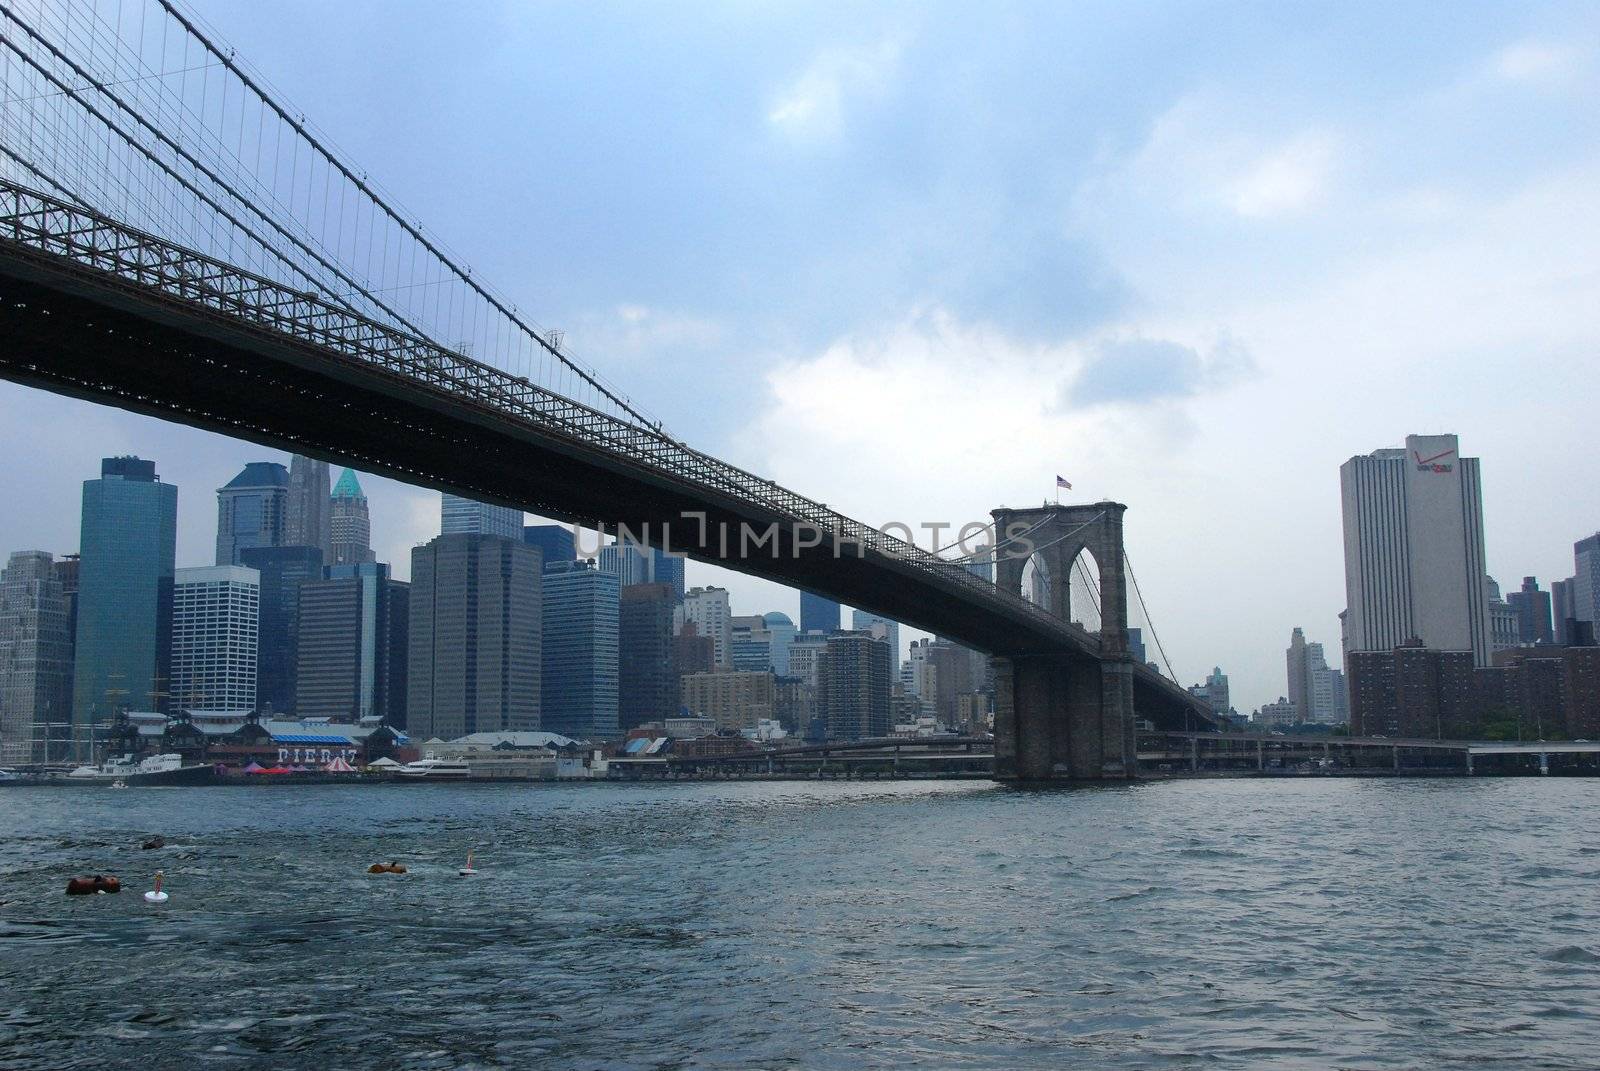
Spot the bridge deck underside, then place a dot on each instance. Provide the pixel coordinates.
(78, 336)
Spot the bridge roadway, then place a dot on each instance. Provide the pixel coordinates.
(96, 310)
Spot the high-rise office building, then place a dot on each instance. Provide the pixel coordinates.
(35, 655)
(1315, 689)
(633, 562)
(749, 644)
(879, 626)
(555, 542)
(1562, 609)
(692, 653)
(647, 678)
(1586, 579)
(708, 609)
(581, 632)
(349, 523)
(1532, 608)
(283, 570)
(780, 638)
(124, 639)
(251, 510)
(853, 686)
(352, 645)
(466, 516)
(1215, 691)
(308, 521)
(805, 657)
(475, 654)
(1296, 664)
(818, 614)
(1414, 554)
(215, 624)
(1504, 628)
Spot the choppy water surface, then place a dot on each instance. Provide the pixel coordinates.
(1340, 923)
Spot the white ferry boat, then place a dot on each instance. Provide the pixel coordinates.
(153, 770)
(433, 769)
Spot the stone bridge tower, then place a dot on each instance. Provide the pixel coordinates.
(1065, 716)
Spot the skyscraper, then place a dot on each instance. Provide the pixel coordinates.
(581, 632)
(283, 570)
(853, 686)
(818, 614)
(1504, 629)
(1532, 607)
(352, 645)
(35, 654)
(1315, 689)
(1414, 554)
(709, 610)
(633, 562)
(308, 521)
(215, 622)
(647, 679)
(1296, 663)
(879, 626)
(349, 523)
(124, 641)
(465, 516)
(251, 510)
(781, 633)
(555, 542)
(475, 637)
(749, 644)
(1586, 579)
(1562, 609)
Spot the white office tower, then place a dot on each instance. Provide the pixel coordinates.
(465, 516)
(1413, 549)
(215, 636)
(709, 611)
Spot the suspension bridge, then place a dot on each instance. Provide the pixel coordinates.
(177, 242)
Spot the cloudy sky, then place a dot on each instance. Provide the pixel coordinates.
(914, 260)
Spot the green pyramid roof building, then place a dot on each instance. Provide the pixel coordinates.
(348, 486)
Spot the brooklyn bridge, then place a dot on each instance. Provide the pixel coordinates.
(176, 242)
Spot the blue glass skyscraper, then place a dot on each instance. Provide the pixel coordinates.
(555, 542)
(128, 543)
(818, 614)
(251, 510)
(581, 626)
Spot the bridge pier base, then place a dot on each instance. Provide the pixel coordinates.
(1063, 720)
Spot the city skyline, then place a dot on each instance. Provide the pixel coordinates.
(1103, 300)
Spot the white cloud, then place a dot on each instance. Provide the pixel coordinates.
(813, 106)
(1286, 179)
(1207, 156)
(1536, 61)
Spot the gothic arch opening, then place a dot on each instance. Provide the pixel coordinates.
(1036, 581)
(1083, 591)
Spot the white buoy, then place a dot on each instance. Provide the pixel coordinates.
(467, 871)
(156, 896)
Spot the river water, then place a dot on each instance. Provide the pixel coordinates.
(1219, 924)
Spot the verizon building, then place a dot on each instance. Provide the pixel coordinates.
(1413, 549)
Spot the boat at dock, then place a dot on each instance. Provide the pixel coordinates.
(126, 771)
(432, 769)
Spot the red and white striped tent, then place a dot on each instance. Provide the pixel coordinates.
(338, 765)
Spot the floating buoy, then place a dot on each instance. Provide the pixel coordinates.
(467, 871)
(91, 885)
(156, 896)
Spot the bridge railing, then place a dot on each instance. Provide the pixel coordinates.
(46, 225)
